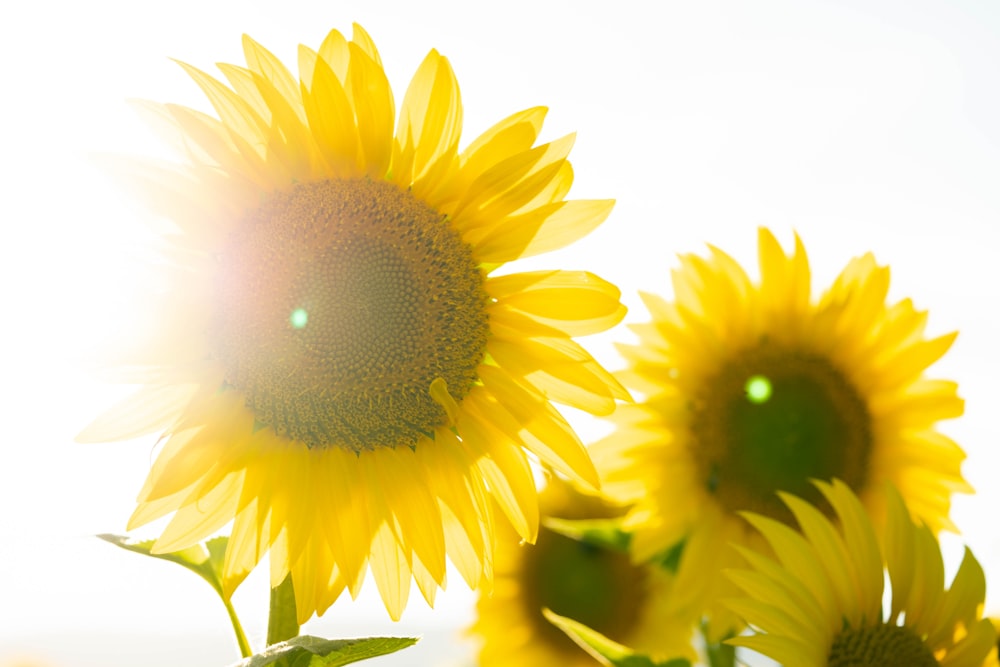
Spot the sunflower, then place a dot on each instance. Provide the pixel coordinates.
(820, 602)
(755, 387)
(334, 366)
(598, 587)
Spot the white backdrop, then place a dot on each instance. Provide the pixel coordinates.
(862, 125)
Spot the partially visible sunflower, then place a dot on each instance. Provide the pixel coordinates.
(333, 366)
(993, 659)
(598, 587)
(820, 603)
(755, 387)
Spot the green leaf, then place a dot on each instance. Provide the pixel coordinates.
(606, 651)
(307, 651)
(204, 560)
(606, 533)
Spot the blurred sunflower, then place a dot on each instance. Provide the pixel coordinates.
(993, 659)
(756, 388)
(332, 365)
(820, 602)
(598, 587)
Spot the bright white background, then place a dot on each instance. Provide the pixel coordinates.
(863, 125)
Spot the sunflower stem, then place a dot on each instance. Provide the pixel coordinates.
(241, 638)
(282, 621)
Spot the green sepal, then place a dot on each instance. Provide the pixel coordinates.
(307, 651)
(606, 651)
(670, 558)
(205, 560)
(604, 533)
(609, 534)
(721, 654)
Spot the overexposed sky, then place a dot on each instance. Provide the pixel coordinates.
(862, 125)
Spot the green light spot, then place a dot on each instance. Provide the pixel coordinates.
(758, 389)
(299, 318)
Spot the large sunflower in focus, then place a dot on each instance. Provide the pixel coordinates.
(334, 367)
(756, 387)
(820, 603)
(598, 587)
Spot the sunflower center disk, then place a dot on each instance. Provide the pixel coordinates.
(599, 588)
(880, 646)
(338, 303)
(771, 420)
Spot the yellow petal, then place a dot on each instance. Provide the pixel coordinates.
(775, 596)
(802, 598)
(508, 323)
(785, 281)
(549, 228)
(410, 499)
(577, 302)
(371, 97)
(242, 81)
(562, 370)
(784, 650)
(202, 516)
(861, 542)
(289, 137)
(234, 112)
(364, 41)
(146, 512)
(974, 648)
(962, 600)
(770, 619)
(343, 497)
(247, 544)
(331, 121)
(430, 121)
(268, 67)
(204, 204)
(335, 52)
(506, 181)
(391, 571)
(832, 554)
(898, 546)
(554, 441)
(506, 470)
(151, 408)
(795, 553)
(515, 134)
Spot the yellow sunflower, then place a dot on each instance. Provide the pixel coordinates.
(332, 364)
(820, 603)
(755, 387)
(598, 587)
(993, 659)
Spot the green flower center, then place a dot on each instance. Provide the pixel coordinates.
(880, 646)
(601, 589)
(771, 420)
(338, 303)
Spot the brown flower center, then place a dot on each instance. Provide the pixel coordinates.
(598, 587)
(771, 420)
(880, 646)
(338, 303)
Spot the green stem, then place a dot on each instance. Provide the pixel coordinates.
(241, 637)
(721, 655)
(283, 622)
